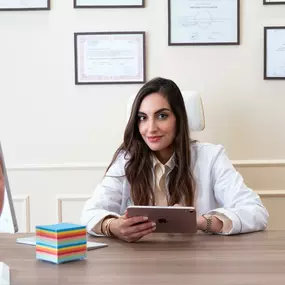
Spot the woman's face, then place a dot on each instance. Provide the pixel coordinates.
(157, 125)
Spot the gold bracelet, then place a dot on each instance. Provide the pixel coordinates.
(103, 229)
(209, 223)
(102, 223)
(108, 232)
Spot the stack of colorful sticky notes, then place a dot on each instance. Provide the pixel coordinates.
(60, 243)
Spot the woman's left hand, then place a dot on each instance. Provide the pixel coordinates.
(217, 224)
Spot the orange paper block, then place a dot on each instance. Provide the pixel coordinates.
(60, 235)
(61, 242)
(60, 251)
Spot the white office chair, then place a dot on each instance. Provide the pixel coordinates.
(194, 109)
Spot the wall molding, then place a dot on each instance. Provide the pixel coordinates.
(270, 193)
(25, 200)
(259, 163)
(79, 198)
(67, 198)
(103, 165)
(61, 199)
(57, 167)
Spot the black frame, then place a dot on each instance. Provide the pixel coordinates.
(265, 53)
(75, 6)
(48, 7)
(273, 3)
(203, 43)
(110, 33)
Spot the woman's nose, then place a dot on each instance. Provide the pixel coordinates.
(152, 126)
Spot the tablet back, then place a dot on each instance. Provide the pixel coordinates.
(168, 219)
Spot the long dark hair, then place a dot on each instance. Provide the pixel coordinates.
(138, 168)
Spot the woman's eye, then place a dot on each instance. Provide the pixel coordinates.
(141, 118)
(162, 116)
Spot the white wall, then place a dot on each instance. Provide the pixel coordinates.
(58, 137)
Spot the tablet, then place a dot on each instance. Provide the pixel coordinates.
(168, 219)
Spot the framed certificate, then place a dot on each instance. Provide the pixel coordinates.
(24, 5)
(109, 3)
(203, 22)
(274, 52)
(109, 57)
(273, 2)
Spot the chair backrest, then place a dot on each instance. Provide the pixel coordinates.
(194, 108)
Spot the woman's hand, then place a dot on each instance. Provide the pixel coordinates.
(217, 224)
(177, 205)
(131, 229)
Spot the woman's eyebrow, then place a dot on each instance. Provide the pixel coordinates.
(158, 111)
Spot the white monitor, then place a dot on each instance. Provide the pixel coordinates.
(8, 221)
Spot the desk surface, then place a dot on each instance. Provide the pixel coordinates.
(256, 258)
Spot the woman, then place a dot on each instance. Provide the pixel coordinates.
(158, 164)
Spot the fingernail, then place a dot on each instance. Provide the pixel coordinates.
(145, 218)
(153, 224)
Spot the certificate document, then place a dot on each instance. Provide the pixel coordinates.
(107, 3)
(24, 4)
(275, 53)
(203, 22)
(109, 58)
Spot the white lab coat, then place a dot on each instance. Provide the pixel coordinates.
(219, 189)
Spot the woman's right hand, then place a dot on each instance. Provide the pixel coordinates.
(131, 229)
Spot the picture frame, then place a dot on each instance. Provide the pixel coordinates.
(82, 4)
(215, 22)
(28, 5)
(273, 2)
(274, 53)
(110, 57)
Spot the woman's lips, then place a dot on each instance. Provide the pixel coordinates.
(154, 139)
